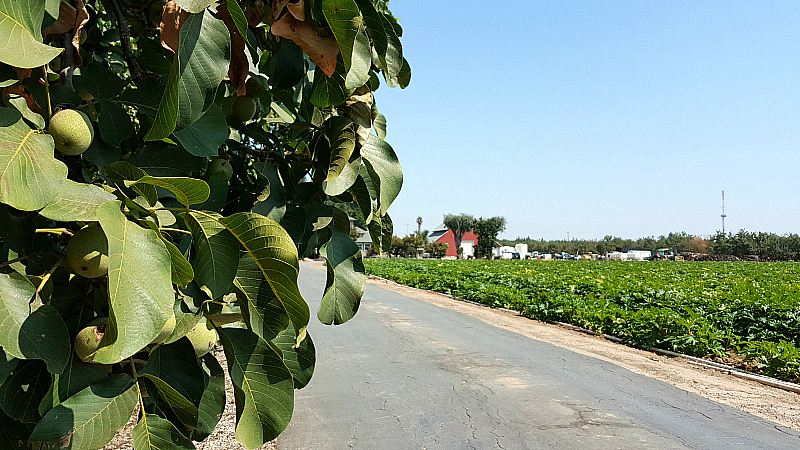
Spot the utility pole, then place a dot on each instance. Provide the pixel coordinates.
(723, 212)
(567, 236)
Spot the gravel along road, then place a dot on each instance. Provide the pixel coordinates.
(408, 374)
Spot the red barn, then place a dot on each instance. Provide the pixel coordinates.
(444, 234)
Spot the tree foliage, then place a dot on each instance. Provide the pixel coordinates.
(222, 132)
(767, 246)
(681, 242)
(487, 231)
(459, 224)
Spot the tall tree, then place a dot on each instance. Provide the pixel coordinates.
(419, 224)
(164, 165)
(487, 231)
(459, 224)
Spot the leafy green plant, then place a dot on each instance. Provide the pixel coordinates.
(201, 145)
(702, 309)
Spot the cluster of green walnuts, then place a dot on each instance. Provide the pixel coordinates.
(87, 256)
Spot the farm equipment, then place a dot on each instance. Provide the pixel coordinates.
(664, 254)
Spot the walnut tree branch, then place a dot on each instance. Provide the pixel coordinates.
(125, 40)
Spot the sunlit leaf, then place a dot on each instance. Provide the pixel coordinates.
(156, 433)
(263, 387)
(30, 176)
(346, 279)
(90, 418)
(21, 35)
(76, 202)
(216, 253)
(40, 334)
(266, 314)
(188, 191)
(275, 255)
(139, 285)
(299, 359)
(382, 163)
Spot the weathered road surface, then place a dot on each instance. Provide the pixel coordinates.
(405, 374)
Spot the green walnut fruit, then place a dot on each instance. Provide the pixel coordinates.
(88, 340)
(243, 107)
(253, 87)
(87, 252)
(72, 131)
(166, 331)
(220, 165)
(203, 339)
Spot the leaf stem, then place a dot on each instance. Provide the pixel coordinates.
(47, 91)
(47, 276)
(164, 208)
(58, 231)
(177, 230)
(8, 263)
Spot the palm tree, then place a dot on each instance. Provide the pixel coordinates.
(419, 224)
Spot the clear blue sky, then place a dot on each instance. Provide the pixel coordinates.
(599, 117)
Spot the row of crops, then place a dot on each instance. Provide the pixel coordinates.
(742, 313)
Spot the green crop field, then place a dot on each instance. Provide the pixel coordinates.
(746, 314)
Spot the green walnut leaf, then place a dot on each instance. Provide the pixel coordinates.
(344, 18)
(115, 124)
(188, 191)
(384, 169)
(266, 314)
(139, 285)
(156, 433)
(90, 418)
(23, 390)
(216, 253)
(76, 202)
(275, 255)
(21, 35)
(197, 70)
(77, 376)
(341, 134)
(346, 279)
(40, 334)
(203, 137)
(30, 176)
(299, 359)
(212, 404)
(263, 386)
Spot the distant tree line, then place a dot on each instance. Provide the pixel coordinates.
(681, 242)
(767, 246)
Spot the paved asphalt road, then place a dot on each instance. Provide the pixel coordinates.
(405, 374)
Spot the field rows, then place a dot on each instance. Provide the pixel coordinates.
(745, 314)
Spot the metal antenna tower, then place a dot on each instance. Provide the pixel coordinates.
(723, 212)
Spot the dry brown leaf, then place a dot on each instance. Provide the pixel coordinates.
(70, 18)
(80, 20)
(239, 67)
(67, 15)
(254, 12)
(275, 10)
(298, 9)
(171, 21)
(322, 51)
(18, 89)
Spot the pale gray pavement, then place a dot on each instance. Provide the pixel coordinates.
(405, 374)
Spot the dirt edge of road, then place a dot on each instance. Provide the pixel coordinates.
(770, 403)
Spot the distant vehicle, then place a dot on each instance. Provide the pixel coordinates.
(663, 254)
(515, 255)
